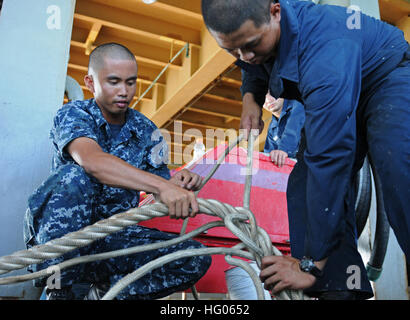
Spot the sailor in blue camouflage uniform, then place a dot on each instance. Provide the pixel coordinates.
(99, 166)
(282, 139)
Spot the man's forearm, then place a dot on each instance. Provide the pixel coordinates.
(251, 117)
(115, 172)
(249, 99)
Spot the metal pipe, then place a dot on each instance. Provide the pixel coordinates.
(73, 90)
(375, 265)
(363, 190)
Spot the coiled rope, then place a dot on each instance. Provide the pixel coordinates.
(255, 242)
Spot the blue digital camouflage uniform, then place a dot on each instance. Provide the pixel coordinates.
(284, 133)
(354, 84)
(70, 199)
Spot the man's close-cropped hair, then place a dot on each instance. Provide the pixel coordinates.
(227, 16)
(111, 50)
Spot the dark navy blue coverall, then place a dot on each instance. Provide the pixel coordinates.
(70, 199)
(355, 86)
(284, 133)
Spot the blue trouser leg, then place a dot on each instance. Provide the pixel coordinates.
(336, 272)
(63, 203)
(388, 137)
(70, 200)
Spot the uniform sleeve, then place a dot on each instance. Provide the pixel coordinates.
(330, 84)
(71, 122)
(157, 156)
(254, 84)
(271, 140)
(289, 141)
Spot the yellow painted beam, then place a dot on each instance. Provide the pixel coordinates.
(190, 5)
(172, 12)
(92, 36)
(78, 67)
(185, 85)
(232, 82)
(146, 26)
(160, 40)
(227, 92)
(267, 118)
(211, 121)
(404, 25)
(393, 11)
(220, 113)
(177, 11)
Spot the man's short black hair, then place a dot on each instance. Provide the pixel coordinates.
(110, 50)
(227, 16)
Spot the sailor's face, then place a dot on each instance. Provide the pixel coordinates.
(114, 86)
(252, 44)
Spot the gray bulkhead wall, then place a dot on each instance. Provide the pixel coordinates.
(35, 41)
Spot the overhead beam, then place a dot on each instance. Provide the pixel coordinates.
(192, 6)
(92, 36)
(202, 67)
(206, 111)
(172, 12)
(226, 91)
(211, 121)
(394, 11)
(218, 106)
(231, 82)
(266, 118)
(404, 25)
(145, 26)
(159, 40)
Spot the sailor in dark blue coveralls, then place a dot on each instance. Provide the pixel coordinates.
(282, 139)
(104, 152)
(354, 80)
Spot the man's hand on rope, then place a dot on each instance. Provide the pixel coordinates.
(178, 195)
(187, 180)
(283, 272)
(181, 203)
(251, 118)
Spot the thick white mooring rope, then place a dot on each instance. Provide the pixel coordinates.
(239, 220)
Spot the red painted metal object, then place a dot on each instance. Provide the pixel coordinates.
(267, 202)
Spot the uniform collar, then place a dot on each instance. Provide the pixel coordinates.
(287, 58)
(97, 114)
(131, 123)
